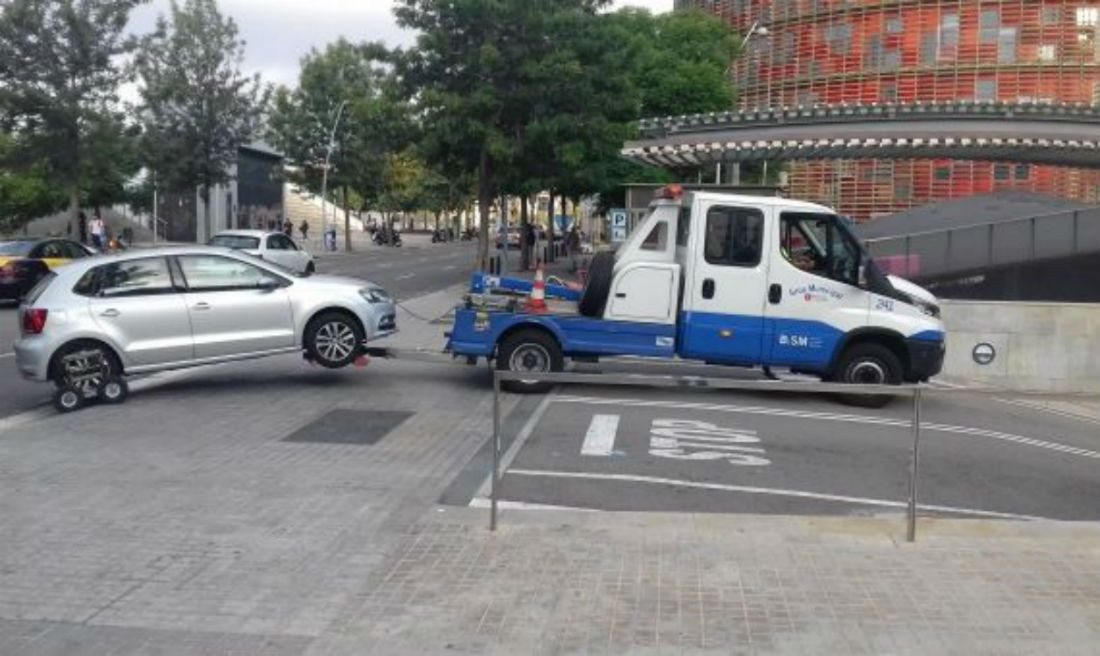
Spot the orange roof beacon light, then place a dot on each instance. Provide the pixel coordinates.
(671, 192)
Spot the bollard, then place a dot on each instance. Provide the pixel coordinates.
(494, 492)
(914, 468)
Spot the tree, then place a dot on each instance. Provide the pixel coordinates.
(59, 75)
(25, 191)
(681, 60)
(678, 63)
(346, 94)
(477, 70)
(198, 107)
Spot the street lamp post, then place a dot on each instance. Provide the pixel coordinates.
(324, 174)
(756, 30)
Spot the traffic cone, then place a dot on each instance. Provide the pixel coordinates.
(537, 302)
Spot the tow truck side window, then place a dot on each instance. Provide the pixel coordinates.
(657, 239)
(817, 244)
(734, 237)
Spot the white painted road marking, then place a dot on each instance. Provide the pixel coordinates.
(800, 494)
(405, 277)
(4, 356)
(517, 444)
(1054, 411)
(484, 502)
(830, 416)
(600, 439)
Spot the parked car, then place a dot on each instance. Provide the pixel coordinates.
(24, 262)
(142, 312)
(271, 246)
(511, 237)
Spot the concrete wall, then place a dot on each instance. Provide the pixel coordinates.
(1039, 346)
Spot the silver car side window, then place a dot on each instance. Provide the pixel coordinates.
(214, 273)
(136, 278)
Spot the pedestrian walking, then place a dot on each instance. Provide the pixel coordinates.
(288, 229)
(304, 229)
(99, 231)
(574, 246)
(82, 227)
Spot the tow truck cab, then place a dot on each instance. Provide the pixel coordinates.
(730, 280)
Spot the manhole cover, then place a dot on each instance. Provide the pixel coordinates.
(350, 427)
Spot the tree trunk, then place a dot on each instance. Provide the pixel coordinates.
(206, 225)
(550, 225)
(485, 200)
(74, 206)
(524, 246)
(347, 222)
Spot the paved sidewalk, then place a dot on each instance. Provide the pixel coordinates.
(561, 582)
(184, 522)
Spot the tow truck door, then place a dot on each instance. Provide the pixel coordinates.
(724, 290)
(814, 297)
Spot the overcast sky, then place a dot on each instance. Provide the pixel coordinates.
(279, 32)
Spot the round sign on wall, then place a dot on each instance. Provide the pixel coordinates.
(984, 353)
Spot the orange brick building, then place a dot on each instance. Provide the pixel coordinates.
(911, 51)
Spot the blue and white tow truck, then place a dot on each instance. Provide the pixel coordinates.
(720, 279)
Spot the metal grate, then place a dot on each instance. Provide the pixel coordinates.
(350, 427)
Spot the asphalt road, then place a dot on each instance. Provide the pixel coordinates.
(413, 270)
(641, 449)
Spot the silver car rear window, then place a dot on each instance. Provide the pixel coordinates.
(236, 242)
(40, 287)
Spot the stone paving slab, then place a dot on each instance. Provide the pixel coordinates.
(184, 518)
(561, 582)
(182, 523)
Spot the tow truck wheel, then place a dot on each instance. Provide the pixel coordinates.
(868, 364)
(532, 351)
(68, 399)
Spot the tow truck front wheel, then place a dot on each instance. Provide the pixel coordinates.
(868, 364)
(532, 351)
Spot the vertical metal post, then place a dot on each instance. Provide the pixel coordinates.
(914, 469)
(908, 255)
(1076, 222)
(155, 218)
(1033, 249)
(494, 491)
(989, 245)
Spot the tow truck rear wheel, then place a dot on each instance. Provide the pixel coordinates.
(868, 364)
(533, 351)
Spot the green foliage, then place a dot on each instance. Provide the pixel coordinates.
(25, 192)
(355, 83)
(481, 71)
(197, 106)
(59, 75)
(680, 60)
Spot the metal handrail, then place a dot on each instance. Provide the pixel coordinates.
(916, 392)
(984, 224)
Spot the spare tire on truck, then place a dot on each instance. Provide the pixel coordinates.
(598, 286)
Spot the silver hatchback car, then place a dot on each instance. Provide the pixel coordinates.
(153, 310)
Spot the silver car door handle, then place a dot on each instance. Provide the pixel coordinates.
(201, 306)
(110, 314)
